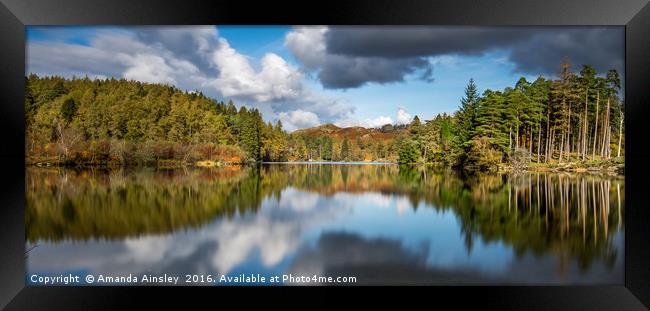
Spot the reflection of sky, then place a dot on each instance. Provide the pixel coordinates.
(387, 216)
(293, 232)
(266, 238)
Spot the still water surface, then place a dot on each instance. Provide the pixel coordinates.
(381, 223)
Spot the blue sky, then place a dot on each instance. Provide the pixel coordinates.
(256, 41)
(311, 75)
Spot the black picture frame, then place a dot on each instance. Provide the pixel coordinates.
(633, 14)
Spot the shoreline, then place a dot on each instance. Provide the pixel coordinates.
(603, 166)
(608, 166)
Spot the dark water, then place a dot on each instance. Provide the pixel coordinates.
(382, 224)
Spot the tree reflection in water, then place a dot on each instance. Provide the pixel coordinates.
(568, 216)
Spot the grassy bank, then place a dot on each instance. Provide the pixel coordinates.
(610, 166)
(163, 163)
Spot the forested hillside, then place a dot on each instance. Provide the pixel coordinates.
(575, 118)
(84, 121)
(330, 142)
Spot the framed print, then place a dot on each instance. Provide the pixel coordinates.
(492, 150)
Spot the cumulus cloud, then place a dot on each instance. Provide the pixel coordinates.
(379, 121)
(116, 54)
(298, 119)
(403, 116)
(308, 44)
(188, 57)
(276, 80)
(348, 57)
(191, 58)
(368, 123)
(149, 68)
(328, 109)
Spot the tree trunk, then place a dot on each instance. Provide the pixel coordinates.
(517, 134)
(510, 139)
(606, 150)
(567, 149)
(551, 145)
(606, 144)
(539, 139)
(585, 130)
(579, 143)
(568, 134)
(603, 149)
(530, 145)
(561, 147)
(593, 151)
(620, 135)
(548, 134)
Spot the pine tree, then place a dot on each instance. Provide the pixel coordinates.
(490, 120)
(68, 109)
(466, 114)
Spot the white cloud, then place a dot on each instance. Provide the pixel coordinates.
(196, 58)
(298, 119)
(379, 121)
(284, 81)
(369, 123)
(403, 116)
(117, 54)
(308, 44)
(149, 68)
(276, 80)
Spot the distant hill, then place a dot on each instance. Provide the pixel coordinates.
(386, 133)
(330, 142)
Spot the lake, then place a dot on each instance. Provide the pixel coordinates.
(379, 223)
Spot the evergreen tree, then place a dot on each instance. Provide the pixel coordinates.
(68, 110)
(466, 115)
(490, 120)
